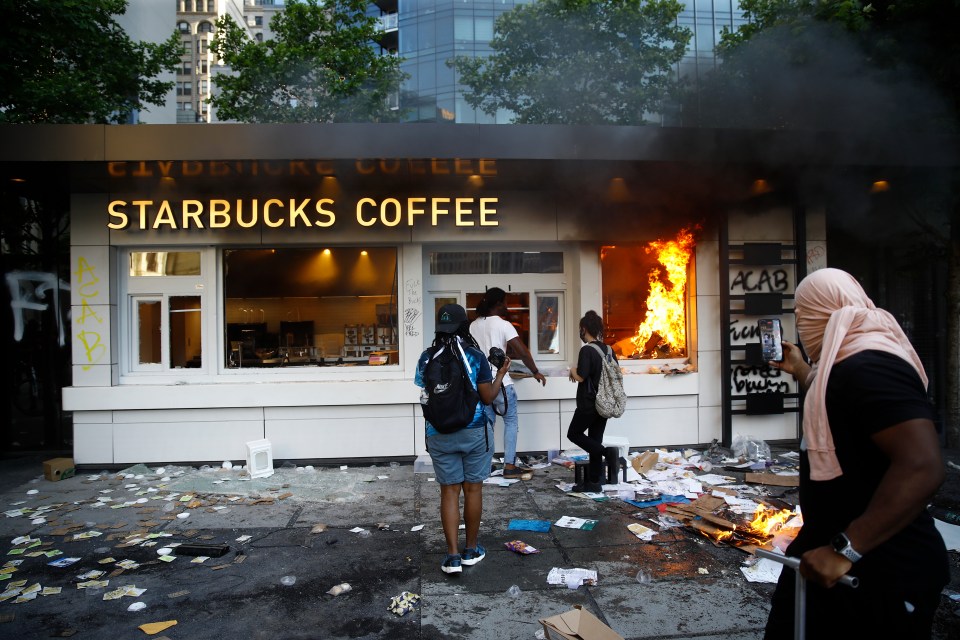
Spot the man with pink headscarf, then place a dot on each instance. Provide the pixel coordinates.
(870, 461)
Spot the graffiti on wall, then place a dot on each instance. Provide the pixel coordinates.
(749, 378)
(413, 302)
(89, 333)
(764, 281)
(35, 291)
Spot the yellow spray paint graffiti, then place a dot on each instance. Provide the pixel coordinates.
(86, 279)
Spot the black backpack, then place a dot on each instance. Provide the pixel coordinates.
(449, 400)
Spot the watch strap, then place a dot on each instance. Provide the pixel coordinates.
(842, 545)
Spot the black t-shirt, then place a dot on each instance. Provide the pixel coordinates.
(867, 393)
(589, 367)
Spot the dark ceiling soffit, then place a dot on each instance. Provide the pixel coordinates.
(83, 143)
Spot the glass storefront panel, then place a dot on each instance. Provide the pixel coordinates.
(186, 330)
(148, 332)
(495, 262)
(164, 263)
(309, 307)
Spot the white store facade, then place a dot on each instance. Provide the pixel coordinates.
(243, 282)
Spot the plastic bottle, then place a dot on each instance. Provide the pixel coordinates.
(288, 581)
(644, 577)
(514, 591)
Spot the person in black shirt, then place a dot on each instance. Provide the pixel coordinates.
(587, 426)
(870, 461)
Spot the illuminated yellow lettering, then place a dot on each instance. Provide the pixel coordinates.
(164, 216)
(439, 167)
(142, 170)
(254, 206)
(296, 211)
(488, 167)
(117, 169)
(395, 205)
(119, 214)
(219, 214)
(389, 166)
(360, 218)
(462, 211)
(418, 167)
(219, 168)
(323, 167)
(298, 167)
(192, 168)
(488, 211)
(142, 204)
(436, 210)
(412, 210)
(266, 213)
(191, 211)
(271, 170)
(331, 216)
(463, 167)
(165, 167)
(364, 168)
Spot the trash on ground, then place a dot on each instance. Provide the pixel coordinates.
(153, 628)
(578, 623)
(644, 533)
(570, 522)
(514, 591)
(337, 589)
(403, 603)
(137, 606)
(416, 527)
(572, 578)
(520, 547)
(318, 528)
(529, 525)
(288, 581)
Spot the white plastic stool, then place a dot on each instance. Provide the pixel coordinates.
(620, 443)
(260, 459)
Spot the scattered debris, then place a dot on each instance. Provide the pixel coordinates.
(403, 603)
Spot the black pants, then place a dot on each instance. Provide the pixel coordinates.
(586, 431)
(876, 609)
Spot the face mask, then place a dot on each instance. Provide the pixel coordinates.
(583, 334)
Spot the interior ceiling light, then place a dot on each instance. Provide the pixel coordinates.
(879, 186)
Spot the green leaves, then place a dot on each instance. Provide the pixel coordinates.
(70, 62)
(579, 61)
(320, 66)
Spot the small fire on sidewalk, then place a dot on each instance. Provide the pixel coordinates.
(767, 522)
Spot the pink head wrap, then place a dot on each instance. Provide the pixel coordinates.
(836, 319)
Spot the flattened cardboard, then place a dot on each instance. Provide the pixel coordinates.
(577, 624)
(773, 479)
(645, 461)
(57, 469)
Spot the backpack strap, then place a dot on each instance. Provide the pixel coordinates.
(603, 353)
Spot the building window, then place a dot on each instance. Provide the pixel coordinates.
(308, 307)
(184, 88)
(645, 297)
(165, 311)
(258, 21)
(183, 27)
(202, 45)
(204, 67)
(205, 27)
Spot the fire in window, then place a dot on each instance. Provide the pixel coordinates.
(645, 296)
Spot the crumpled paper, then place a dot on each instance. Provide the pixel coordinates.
(403, 603)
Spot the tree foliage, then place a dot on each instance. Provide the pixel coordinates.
(320, 66)
(579, 61)
(69, 62)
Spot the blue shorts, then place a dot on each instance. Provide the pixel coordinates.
(464, 456)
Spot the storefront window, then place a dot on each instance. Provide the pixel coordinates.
(164, 263)
(185, 332)
(148, 332)
(645, 297)
(310, 307)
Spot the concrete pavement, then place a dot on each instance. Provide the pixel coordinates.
(697, 589)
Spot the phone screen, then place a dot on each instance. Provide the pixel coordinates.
(771, 337)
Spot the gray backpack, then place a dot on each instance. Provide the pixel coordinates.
(611, 398)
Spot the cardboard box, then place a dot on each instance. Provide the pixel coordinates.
(58, 468)
(645, 461)
(577, 624)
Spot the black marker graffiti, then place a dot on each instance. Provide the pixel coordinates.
(746, 333)
(771, 281)
(754, 379)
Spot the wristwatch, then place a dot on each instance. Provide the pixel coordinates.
(841, 544)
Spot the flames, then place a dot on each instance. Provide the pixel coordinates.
(663, 332)
(766, 522)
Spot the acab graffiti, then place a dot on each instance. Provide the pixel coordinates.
(87, 281)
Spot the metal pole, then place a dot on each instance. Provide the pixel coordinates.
(800, 589)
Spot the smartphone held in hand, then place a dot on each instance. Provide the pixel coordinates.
(771, 338)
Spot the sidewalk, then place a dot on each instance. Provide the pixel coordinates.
(697, 590)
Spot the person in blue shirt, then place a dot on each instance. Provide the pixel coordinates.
(461, 460)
